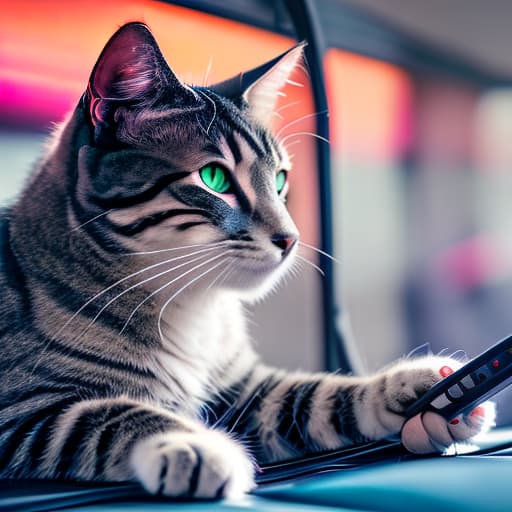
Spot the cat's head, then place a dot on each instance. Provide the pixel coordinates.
(177, 171)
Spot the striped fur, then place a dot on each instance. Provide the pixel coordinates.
(125, 353)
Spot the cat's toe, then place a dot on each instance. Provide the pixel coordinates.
(391, 392)
(412, 378)
(198, 465)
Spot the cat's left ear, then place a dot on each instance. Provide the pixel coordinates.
(260, 87)
(131, 71)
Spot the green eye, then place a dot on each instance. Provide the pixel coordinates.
(216, 178)
(280, 181)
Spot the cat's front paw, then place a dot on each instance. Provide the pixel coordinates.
(205, 465)
(400, 386)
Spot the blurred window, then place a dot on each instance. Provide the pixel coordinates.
(423, 223)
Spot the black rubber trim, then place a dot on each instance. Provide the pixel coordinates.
(307, 25)
(354, 29)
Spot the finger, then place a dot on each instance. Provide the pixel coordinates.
(461, 428)
(478, 420)
(483, 417)
(438, 429)
(415, 438)
(445, 371)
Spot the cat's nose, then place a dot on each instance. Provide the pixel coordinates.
(284, 242)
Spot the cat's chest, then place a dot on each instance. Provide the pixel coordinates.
(198, 341)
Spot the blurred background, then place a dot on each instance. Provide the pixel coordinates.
(420, 114)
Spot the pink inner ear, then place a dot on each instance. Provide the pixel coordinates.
(262, 95)
(94, 110)
(127, 65)
(131, 69)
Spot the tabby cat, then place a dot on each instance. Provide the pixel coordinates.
(157, 212)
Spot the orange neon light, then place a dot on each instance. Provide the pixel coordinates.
(372, 104)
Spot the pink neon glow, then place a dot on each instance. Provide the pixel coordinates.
(29, 104)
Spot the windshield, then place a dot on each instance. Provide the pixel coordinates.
(421, 187)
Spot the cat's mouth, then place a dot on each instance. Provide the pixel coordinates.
(259, 273)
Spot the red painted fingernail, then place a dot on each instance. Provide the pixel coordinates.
(445, 371)
(478, 411)
(455, 421)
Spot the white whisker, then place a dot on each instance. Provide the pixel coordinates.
(305, 260)
(204, 413)
(152, 294)
(292, 82)
(200, 125)
(288, 146)
(105, 290)
(295, 268)
(288, 105)
(92, 299)
(302, 118)
(295, 134)
(219, 276)
(140, 283)
(92, 220)
(207, 72)
(229, 273)
(303, 68)
(293, 143)
(168, 301)
(326, 254)
(214, 110)
(249, 402)
(212, 244)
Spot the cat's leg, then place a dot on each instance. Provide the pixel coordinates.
(292, 414)
(121, 439)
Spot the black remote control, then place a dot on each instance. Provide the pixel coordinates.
(475, 382)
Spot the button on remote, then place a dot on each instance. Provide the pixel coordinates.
(468, 382)
(440, 402)
(483, 373)
(455, 392)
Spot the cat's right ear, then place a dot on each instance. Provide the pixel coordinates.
(261, 86)
(131, 72)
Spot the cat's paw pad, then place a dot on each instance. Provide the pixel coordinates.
(198, 465)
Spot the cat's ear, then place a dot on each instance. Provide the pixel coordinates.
(260, 87)
(131, 70)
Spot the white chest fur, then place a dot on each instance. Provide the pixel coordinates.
(202, 335)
